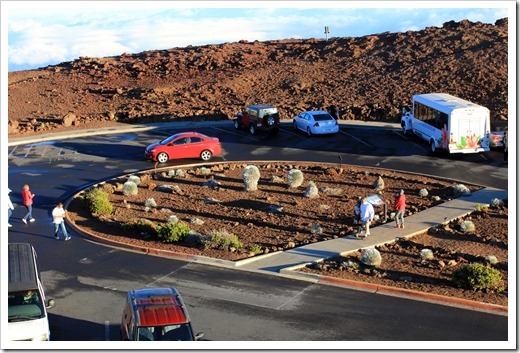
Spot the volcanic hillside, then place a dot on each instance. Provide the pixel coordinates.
(366, 78)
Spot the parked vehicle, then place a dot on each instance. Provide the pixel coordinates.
(497, 139)
(258, 117)
(184, 145)
(448, 123)
(27, 306)
(316, 122)
(156, 314)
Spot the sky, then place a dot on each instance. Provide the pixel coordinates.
(42, 33)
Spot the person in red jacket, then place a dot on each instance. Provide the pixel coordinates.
(27, 197)
(400, 206)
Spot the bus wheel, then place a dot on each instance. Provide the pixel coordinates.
(432, 147)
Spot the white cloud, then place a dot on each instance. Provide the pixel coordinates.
(61, 33)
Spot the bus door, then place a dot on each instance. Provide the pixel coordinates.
(466, 133)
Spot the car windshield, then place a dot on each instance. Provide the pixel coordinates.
(180, 332)
(169, 139)
(322, 117)
(25, 305)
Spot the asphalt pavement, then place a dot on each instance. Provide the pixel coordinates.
(285, 263)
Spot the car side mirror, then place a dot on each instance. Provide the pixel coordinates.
(51, 303)
(199, 336)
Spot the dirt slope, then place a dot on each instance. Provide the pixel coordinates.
(367, 78)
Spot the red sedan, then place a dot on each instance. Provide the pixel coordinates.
(184, 145)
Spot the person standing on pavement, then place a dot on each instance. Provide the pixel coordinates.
(504, 141)
(27, 197)
(10, 208)
(58, 213)
(400, 206)
(367, 215)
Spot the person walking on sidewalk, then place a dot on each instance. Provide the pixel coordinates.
(400, 206)
(367, 215)
(58, 213)
(10, 208)
(27, 197)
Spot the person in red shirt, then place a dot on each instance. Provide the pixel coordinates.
(400, 206)
(27, 197)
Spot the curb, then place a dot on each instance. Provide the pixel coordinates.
(396, 292)
(53, 136)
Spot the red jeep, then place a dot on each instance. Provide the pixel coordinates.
(156, 314)
(260, 116)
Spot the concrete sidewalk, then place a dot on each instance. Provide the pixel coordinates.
(415, 224)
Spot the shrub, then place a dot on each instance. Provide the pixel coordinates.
(203, 171)
(176, 173)
(294, 178)
(250, 176)
(492, 259)
(130, 188)
(426, 254)
(97, 202)
(255, 249)
(461, 190)
(371, 257)
(316, 229)
(423, 192)
(142, 225)
(476, 276)
(311, 191)
(496, 203)
(173, 219)
(467, 227)
(135, 179)
(223, 239)
(173, 232)
(149, 203)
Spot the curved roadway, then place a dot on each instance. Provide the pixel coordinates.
(89, 281)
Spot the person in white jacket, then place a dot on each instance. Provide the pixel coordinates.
(367, 215)
(10, 209)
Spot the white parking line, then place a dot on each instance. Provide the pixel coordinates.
(29, 150)
(407, 139)
(235, 133)
(355, 138)
(14, 149)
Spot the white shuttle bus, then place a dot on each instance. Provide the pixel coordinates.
(448, 123)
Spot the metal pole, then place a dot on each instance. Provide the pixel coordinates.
(326, 32)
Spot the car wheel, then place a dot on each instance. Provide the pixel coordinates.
(405, 132)
(162, 157)
(237, 124)
(252, 129)
(309, 133)
(206, 155)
